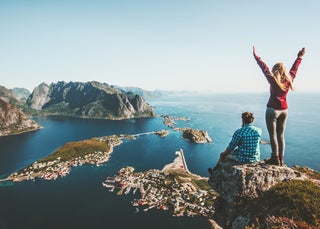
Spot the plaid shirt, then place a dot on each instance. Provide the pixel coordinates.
(245, 142)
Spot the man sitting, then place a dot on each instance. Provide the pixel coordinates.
(245, 144)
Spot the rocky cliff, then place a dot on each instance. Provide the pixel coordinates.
(8, 96)
(14, 121)
(89, 100)
(39, 97)
(243, 189)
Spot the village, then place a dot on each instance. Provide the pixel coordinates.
(166, 191)
(51, 170)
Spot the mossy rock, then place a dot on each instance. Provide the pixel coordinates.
(298, 201)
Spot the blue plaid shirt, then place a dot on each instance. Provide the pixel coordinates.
(246, 143)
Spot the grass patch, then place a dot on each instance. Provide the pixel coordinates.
(72, 150)
(297, 200)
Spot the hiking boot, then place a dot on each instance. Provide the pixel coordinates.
(273, 161)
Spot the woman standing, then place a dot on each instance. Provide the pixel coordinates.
(277, 107)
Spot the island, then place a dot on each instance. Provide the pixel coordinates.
(170, 120)
(173, 188)
(194, 135)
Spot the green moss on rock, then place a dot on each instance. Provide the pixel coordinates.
(297, 200)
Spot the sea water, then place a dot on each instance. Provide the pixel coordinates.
(80, 201)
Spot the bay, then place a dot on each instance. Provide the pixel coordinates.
(80, 201)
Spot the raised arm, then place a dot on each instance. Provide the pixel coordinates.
(262, 65)
(295, 66)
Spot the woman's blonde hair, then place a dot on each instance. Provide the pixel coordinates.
(280, 75)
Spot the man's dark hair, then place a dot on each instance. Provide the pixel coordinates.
(247, 117)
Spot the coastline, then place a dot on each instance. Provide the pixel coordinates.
(179, 163)
(21, 132)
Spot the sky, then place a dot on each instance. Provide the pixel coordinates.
(198, 45)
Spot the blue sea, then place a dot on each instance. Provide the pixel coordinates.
(80, 201)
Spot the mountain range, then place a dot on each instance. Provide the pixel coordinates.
(76, 99)
(87, 100)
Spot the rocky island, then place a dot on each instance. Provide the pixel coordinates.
(170, 120)
(194, 135)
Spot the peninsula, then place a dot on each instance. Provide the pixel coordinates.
(58, 164)
(173, 188)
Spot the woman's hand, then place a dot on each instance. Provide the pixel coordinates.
(301, 53)
(254, 51)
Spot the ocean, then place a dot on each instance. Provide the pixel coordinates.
(79, 200)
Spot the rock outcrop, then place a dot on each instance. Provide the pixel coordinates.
(248, 192)
(246, 181)
(88, 100)
(194, 135)
(14, 121)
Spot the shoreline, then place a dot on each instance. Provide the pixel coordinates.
(178, 163)
(22, 132)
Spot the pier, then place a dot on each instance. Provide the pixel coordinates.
(180, 153)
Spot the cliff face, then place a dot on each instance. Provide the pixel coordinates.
(38, 97)
(91, 99)
(13, 121)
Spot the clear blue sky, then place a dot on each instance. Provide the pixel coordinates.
(157, 44)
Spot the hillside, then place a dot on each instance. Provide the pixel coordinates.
(14, 121)
(8, 96)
